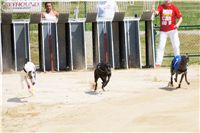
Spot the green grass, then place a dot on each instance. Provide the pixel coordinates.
(189, 43)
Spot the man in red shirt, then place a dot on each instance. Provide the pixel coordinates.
(168, 27)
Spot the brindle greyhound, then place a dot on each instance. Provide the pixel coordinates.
(179, 66)
(102, 71)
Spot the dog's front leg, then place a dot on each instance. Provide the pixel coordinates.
(107, 80)
(95, 80)
(179, 86)
(170, 84)
(186, 78)
(28, 85)
(95, 86)
(103, 83)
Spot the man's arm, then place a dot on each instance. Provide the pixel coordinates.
(179, 22)
(155, 11)
(56, 13)
(43, 15)
(116, 8)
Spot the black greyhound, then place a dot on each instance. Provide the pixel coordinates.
(102, 71)
(179, 66)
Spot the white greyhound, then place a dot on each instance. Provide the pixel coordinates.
(28, 76)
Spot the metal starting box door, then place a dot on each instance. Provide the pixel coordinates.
(148, 17)
(62, 41)
(76, 48)
(48, 46)
(126, 42)
(101, 39)
(1, 58)
(102, 42)
(7, 42)
(21, 42)
(118, 37)
(132, 41)
(15, 43)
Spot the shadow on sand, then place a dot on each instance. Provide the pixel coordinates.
(91, 93)
(18, 100)
(167, 88)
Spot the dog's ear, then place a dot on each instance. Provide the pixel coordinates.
(29, 74)
(108, 67)
(98, 66)
(187, 57)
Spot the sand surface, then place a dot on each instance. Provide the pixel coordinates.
(135, 100)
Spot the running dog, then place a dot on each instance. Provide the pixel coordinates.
(102, 71)
(28, 75)
(179, 66)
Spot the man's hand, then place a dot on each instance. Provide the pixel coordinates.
(155, 11)
(176, 26)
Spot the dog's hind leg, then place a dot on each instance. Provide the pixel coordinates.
(28, 85)
(186, 78)
(179, 86)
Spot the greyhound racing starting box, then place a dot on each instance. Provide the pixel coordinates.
(116, 42)
(148, 17)
(1, 59)
(132, 43)
(62, 41)
(76, 48)
(101, 39)
(15, 43)
(21, 43)
(48, 46)
(7, 48)
(102, 42)
(126, 42)
(118, 37)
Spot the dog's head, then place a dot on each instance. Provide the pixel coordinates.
(32, 77)
(30, 69)
(186, 58)
(105, 68)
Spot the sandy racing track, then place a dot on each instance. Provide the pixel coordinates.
(135, 100)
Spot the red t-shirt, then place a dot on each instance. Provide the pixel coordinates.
(168, 15)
